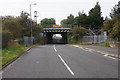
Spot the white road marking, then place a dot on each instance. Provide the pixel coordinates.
(85, 49)
(109, 56)
(54, 48)
(76, 46)
(90, 50)
(66, 65)
(105, 55)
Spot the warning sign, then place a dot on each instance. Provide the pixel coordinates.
(55, 26)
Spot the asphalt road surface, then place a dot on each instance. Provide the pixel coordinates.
(62, 61)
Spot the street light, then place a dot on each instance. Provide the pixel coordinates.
(31, 21)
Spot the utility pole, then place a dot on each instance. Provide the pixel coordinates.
(31, 21)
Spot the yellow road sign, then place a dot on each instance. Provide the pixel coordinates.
(55, 26)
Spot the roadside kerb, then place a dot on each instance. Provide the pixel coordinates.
(3, 67)
(98, 51)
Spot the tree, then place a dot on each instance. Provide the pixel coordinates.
(112, 26)
(108, 25)
(69, 22)
(82, 20)
(115, 34)
(19, 26)
(115, 10)
(37, 29)
(6, 37)
(95, 18)
(78, 32)
(25, 23)
(47, 22)
(12, 25)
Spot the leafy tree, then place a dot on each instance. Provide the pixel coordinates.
(115, 10)
(69, 22)
(115, 34)
(108, 24)
(81, 20)
(12, 25)
(20, 26)
(112, 26)
(6, 37)
(78, 32)
(64, 23)
(95, 18)
(47, 22)
(25, 23)
(37, 29)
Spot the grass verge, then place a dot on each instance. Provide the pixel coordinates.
(40, 43)
(10, 53)
(77, 43)
(103, 45)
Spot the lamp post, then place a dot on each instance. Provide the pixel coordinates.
(31, 21)
(35, 16)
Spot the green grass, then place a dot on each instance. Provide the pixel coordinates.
(76, 43)
(103, 45)
(10, 53)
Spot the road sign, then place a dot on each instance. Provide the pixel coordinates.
(55, 26)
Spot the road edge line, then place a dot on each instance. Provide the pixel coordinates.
(97, 51)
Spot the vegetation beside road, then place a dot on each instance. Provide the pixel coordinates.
(95, 21)
(77, 43)
(112, 25)
(15, 28)
(103, 45)
(100, 45)
(11, 52)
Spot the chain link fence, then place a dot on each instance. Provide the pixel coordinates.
(94, 39)
(28, 40)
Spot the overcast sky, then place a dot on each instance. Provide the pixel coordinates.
(57, 9)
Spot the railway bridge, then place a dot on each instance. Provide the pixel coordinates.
(50, 32)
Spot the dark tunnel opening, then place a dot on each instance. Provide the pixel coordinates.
(56, 38)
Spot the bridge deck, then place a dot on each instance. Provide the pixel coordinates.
(57, 29)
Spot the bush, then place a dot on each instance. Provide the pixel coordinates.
(5, 38)
(112, 26)
(103, 45)
(78, 32)
(39, 40)
(20, 40)
(0, 40)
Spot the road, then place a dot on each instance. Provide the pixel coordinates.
(62, 61)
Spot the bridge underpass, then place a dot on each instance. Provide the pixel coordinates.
(52, 39)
